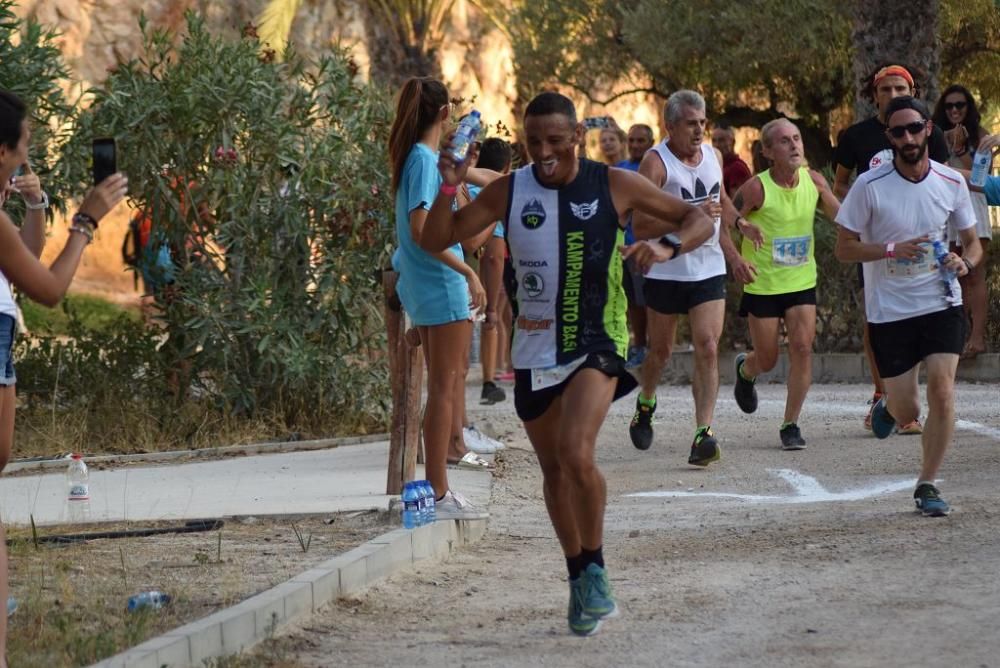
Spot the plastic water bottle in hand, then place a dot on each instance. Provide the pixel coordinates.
(411, 506)
(951, 295)
(78, 482)
(154, 600)
(467, 133)
(980, 168)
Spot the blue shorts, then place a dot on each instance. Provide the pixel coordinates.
(435, 304)
(8, 330)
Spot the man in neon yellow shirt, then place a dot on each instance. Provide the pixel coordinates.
(782, 202)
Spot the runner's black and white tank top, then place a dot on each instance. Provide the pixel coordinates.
(694, 185)
(564, 249)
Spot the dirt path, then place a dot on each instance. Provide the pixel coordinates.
(706, 581)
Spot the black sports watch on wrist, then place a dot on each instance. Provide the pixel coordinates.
(673, 241)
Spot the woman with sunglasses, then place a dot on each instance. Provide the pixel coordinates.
(956, 113)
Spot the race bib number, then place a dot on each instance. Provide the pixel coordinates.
(900, 268)
(790, 251)
(553, 375)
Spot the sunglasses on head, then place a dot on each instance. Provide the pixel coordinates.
(915, 128)
(948, 106)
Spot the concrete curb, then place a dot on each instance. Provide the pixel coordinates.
(827, 368)
(203, 453)
(240, 627)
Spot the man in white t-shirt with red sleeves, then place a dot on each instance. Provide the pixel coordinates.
(888, 221)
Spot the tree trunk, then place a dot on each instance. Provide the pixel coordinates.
(896, 32)
(392, 60)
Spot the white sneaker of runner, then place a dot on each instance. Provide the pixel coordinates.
(479, 442)
(454, 506)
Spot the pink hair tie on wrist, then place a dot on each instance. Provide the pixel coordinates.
(448, 191)
(890, 249)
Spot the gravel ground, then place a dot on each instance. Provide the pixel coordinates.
(858, 579)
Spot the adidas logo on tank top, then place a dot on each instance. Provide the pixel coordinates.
(694, 185)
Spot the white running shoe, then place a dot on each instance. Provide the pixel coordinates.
(479, 442)
(456, 507)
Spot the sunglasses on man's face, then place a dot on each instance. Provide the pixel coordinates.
(948, 106)
(915, 128)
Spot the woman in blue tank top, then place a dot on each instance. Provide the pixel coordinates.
(436, 289)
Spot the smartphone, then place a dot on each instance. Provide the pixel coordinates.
(17, 173)
(105, 159)
(597, 122)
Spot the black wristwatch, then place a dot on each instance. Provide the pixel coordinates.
(673, 241)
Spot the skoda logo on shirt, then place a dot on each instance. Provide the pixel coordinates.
(533, 214)
(533, 284)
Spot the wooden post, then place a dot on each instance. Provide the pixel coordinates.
(406, 379)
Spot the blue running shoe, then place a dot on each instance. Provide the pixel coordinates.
(599, 601)
(882, 422)
(929, 501)
(580, 623)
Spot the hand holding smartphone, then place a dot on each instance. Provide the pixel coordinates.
(105, 162)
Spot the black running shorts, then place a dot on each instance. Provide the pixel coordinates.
(901, 345)
(674, 297)
(531, 405)
(774, 306)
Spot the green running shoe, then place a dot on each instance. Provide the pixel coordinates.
(580, 623)
(599, 601)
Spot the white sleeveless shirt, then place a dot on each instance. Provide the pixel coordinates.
(7, 305)
(694, 185)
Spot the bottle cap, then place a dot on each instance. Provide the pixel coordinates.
(76, 455)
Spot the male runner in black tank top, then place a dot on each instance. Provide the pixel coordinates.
(568, 299)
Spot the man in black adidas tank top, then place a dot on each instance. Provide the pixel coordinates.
(562, 217)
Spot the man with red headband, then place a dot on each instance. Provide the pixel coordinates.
(865, 146)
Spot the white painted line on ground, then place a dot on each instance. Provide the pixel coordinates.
(983, 429)
(807, 490)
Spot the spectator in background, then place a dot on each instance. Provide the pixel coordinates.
(735, 172)
(957, 114)
(612, 143)
(495, 154)
(640, 140)
(760, 163)
(436, 289)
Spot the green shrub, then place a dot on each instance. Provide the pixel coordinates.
(93, 312)
(266, 182)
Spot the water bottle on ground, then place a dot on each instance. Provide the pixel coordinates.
(422, 497)
(78, 482)
(951, 295)
(429, 491)
(411, 506)
(154, 600)
(980, 168)
(465, 135)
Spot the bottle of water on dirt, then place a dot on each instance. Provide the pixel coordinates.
(947, 275)
(411, 506)
(78, 482)
(154, 600)
(465, 135)
(431, 514)
(980, 168)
